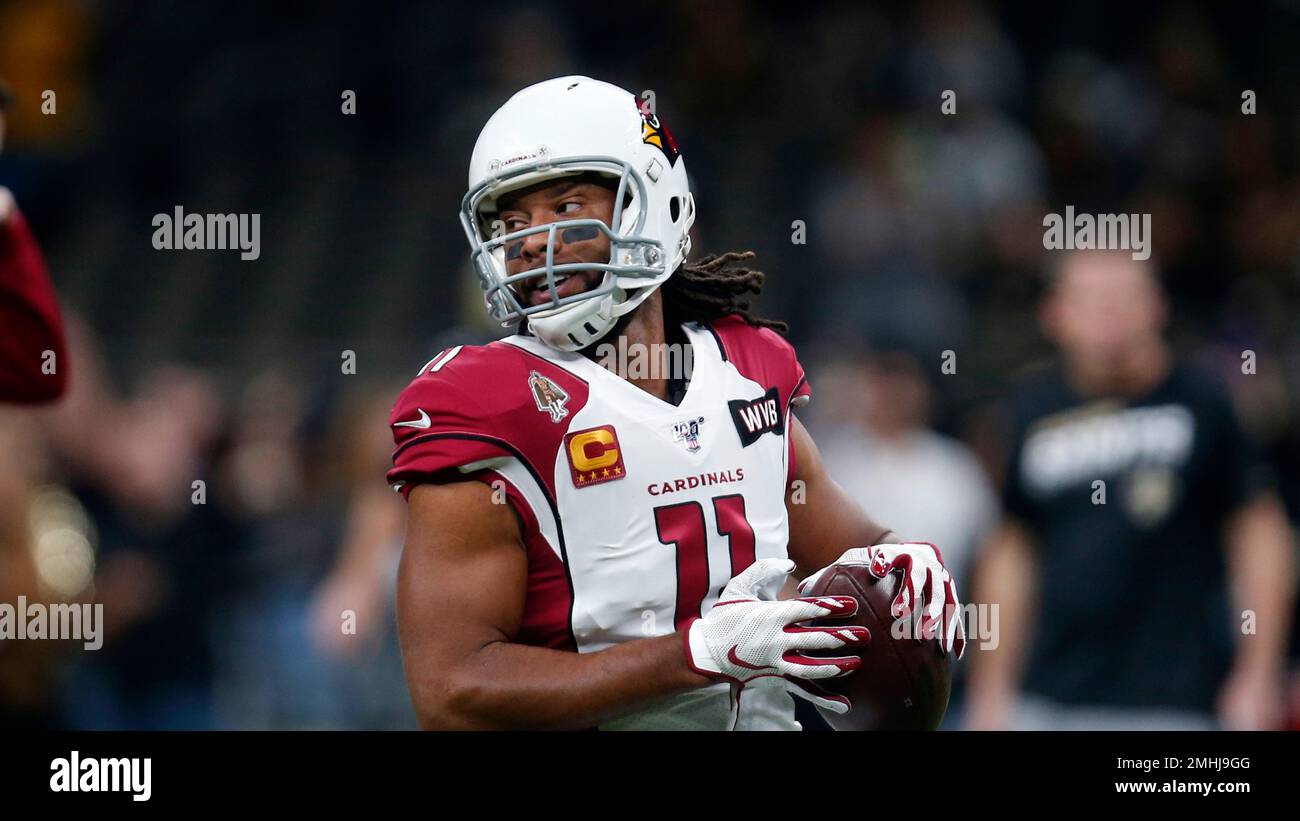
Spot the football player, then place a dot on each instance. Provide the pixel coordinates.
(596, 547)
(30, 324)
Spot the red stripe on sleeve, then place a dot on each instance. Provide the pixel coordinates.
(548, 604)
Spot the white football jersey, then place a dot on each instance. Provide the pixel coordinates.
(637, 512)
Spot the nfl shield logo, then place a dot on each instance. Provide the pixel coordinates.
(688, 433)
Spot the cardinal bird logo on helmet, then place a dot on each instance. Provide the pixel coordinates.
(654, 132)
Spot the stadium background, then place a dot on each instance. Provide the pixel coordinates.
(923, 235)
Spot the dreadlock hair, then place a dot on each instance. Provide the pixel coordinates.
(714, 287)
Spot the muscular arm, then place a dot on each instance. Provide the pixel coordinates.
(1006, 578)
(1262, 565)
(1261, 561)
(460, 601)
(824, 520)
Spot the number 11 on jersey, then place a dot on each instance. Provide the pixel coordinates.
(682, 526)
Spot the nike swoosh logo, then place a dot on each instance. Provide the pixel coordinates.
(739, 662)
(421, 423)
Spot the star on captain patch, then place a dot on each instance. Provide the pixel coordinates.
(550, 397)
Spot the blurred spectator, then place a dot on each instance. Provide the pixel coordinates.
(915, 480)
(1141, 534)
(310, 641)
(162, 550)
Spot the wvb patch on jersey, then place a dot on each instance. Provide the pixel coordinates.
(755, 417)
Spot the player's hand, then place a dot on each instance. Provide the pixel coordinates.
(927, 586)
(7, 206)
(750, 635)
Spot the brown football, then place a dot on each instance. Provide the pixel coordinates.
(903, 683)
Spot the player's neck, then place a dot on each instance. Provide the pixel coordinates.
(642, 336)
(1140, 371)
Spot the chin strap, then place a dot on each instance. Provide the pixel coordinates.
(621, 313)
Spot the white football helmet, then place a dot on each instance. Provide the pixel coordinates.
(564, 127)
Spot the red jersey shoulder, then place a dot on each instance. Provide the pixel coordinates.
(451, 390)
(472, 403)
(763, 355)
(30, 317)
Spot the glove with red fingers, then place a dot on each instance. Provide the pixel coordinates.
(927, 586)
(749, 635)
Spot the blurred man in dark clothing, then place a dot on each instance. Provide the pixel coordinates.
(1141, 535)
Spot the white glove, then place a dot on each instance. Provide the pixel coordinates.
(750, 635)
(926, 580)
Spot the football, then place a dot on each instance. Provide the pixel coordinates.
(903, 683)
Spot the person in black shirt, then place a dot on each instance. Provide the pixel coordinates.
(1144, 568)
